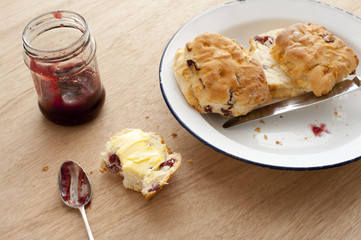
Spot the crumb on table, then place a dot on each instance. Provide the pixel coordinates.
(45, 168)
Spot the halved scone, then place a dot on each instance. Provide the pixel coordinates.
(142, 158)
(279, 83)
(218, 75)
(312, 57)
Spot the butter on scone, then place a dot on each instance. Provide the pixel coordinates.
(142, 158)
(218, 75)
(279, 83)
(312, 57)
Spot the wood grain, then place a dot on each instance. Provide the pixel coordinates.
(212, 196)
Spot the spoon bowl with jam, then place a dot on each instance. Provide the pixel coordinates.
(75, 190)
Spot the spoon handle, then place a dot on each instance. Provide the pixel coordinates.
(90, 234)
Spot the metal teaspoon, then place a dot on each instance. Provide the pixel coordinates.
(75, 190)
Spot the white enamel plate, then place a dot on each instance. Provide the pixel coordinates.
(286, 141)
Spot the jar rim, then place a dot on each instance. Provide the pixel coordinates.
(54, 15)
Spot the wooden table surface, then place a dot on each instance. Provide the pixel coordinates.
(211, 196)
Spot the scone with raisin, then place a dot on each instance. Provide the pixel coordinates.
(217, 75)
(141, 158)
(279, 83)
(312, 57)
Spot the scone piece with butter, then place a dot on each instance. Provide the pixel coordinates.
(279, 83)
(142, 158)
(218, 75)
(312, 57)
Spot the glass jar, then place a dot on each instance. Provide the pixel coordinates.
(59, 50)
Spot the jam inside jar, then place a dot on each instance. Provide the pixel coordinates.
(60, 53)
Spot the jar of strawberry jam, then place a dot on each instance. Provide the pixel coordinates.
(59, 50)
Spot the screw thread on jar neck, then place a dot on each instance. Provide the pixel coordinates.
(74, 28)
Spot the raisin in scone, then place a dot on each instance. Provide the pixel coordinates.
(280, 85)
(142, 158)
(312, 57)
(217, 75)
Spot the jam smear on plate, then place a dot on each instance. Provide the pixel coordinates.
(318, 130)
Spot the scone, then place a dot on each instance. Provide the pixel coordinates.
(312, 57)
(279, 83)
(142, 158)
(217, 75)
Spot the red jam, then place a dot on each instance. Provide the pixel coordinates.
(264, 40)
(57, 15)
(168, 163)
(82, 191)
(318, 130)
(59, 50)
(114, 163)
(67, 99)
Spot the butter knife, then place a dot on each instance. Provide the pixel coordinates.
(304, 100)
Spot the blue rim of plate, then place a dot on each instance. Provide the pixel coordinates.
(215, 147)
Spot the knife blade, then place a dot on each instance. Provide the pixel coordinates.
(301, 101)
